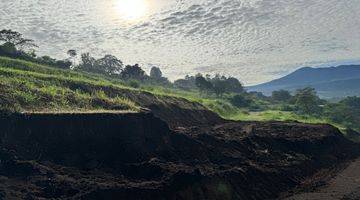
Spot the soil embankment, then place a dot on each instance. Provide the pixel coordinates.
(137, 156)
(174, 111)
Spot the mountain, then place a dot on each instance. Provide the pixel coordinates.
(330, 82)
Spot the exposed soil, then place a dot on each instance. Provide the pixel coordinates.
(344, 185)
(138, 156)
(174, 110)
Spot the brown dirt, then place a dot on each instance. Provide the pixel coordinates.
(137, 156)
(174, 110)
(344, 185)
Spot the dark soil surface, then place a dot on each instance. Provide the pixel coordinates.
(344, 185)
(138, 156)
(174, 110)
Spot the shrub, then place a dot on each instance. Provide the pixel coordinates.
(240, 101)
(281, 96)
(286, 107)
(134, 84)
(307, 101)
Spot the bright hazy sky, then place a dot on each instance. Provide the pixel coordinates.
(253, 40)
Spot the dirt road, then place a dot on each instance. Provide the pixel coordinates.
(344, 186)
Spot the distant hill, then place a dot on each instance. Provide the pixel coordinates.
(330, 82)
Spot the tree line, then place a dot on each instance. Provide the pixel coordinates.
(206, 84)
(304, 101)
(16, 46)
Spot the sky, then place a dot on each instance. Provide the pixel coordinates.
(253, 40)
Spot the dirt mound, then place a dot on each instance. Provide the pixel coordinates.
(137, 156)
(177, 112)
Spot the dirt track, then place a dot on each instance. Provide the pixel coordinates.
(344, 186)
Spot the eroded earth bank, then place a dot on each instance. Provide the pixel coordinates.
(157, 155)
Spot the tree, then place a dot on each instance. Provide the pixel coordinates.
(345, 112)
(240, 101)
(16, 38)
(133, 72)
(202, 83)
(47, 60)
(110, 65)
(155, 73)
(352, 102)
(307, 101)
(156, 77)
(8, 49)
(219, 87)
(258, 95)
(233, 85)
(187, 83)
(88, 63)
(64, 64)
(219, 84)
(281, 96)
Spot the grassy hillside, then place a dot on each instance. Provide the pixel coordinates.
(25, 86)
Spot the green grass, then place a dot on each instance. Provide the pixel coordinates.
(226, 110)
(286, 116)
(25, 86)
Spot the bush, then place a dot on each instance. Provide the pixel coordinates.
(240, 101)
(307, 102)
(134, 84)
(281, 96)
(8, 49)
(286, 107)
(346, 112)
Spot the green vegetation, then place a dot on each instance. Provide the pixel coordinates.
(276, 115)
(31, 83)
(16, 46)
(26, 86)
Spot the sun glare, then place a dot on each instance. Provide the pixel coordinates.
(132, 9)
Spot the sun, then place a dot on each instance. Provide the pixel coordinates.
(132, 9)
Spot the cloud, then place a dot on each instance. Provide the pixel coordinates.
(238, 37)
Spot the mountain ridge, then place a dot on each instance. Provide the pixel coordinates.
(330, 82)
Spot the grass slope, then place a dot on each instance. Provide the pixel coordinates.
(25, 86)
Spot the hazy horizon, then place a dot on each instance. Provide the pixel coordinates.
(253, 40)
